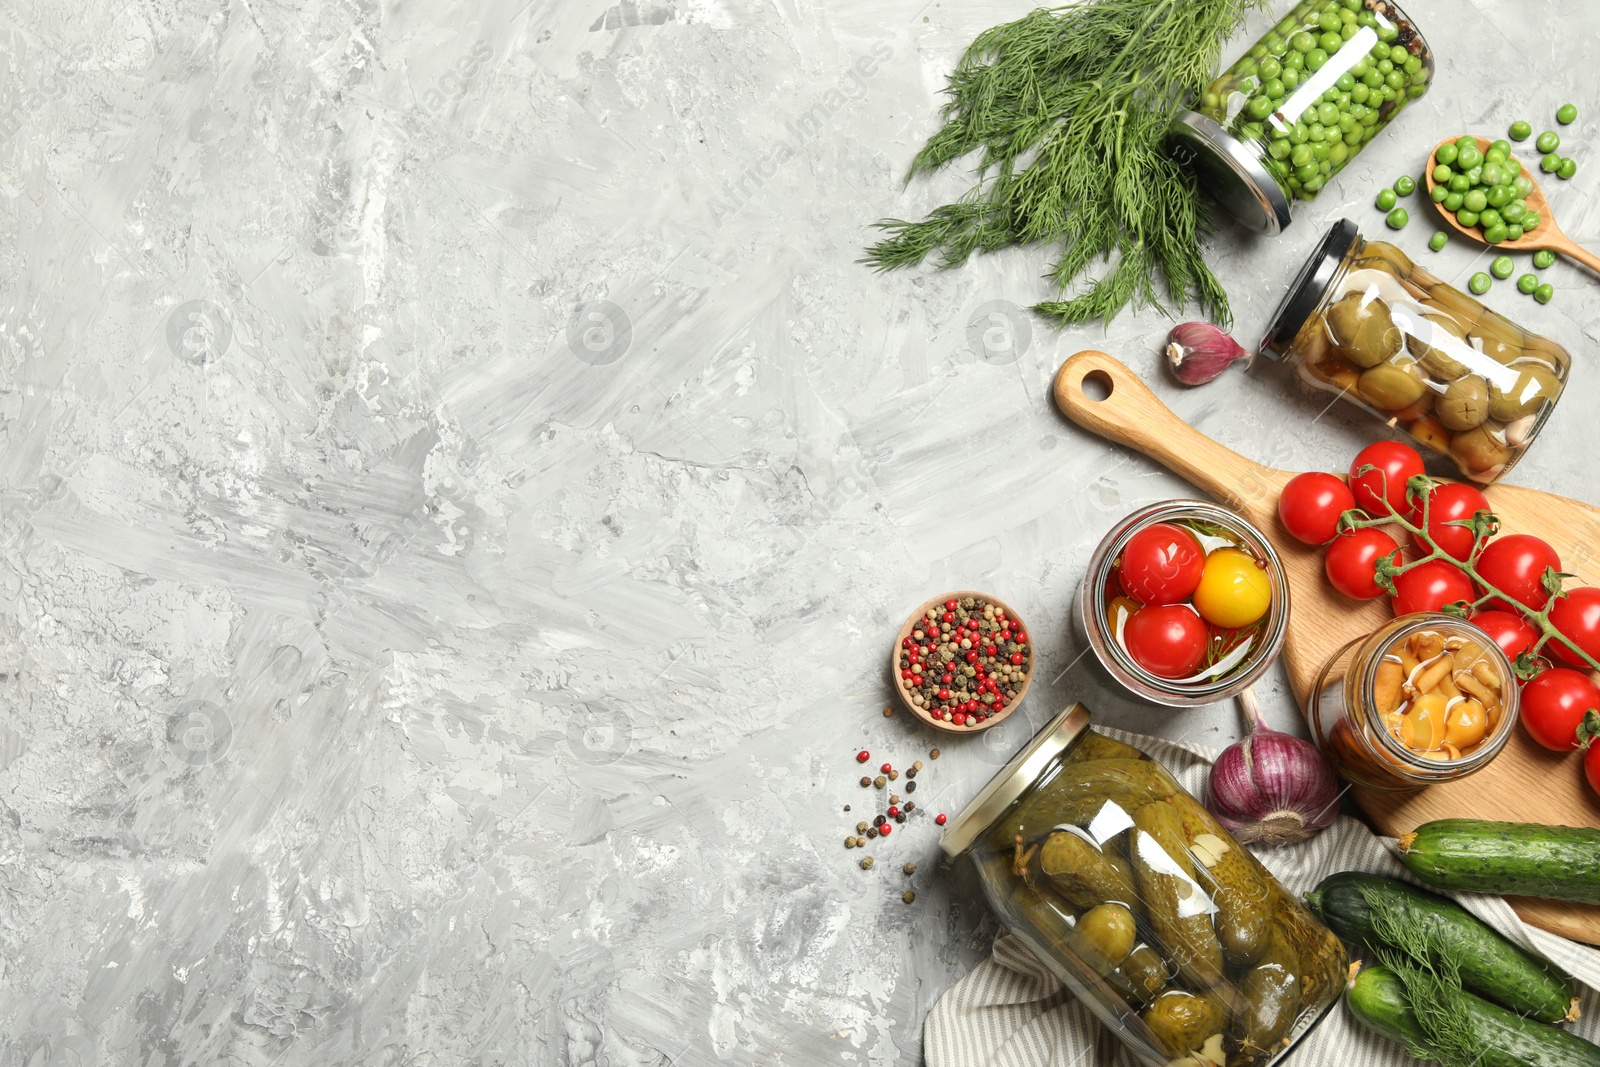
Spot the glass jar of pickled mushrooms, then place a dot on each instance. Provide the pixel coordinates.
(1364, 322)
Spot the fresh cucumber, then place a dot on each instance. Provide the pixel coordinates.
(1525, 859)
(1493, 1036)
(1440, 933)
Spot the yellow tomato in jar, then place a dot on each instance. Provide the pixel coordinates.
(1234, 589)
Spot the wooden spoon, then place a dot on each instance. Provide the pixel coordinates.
(1548, 235)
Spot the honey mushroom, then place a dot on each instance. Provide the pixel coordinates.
(1439, 696)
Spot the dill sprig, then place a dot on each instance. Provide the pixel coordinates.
(1069, 108)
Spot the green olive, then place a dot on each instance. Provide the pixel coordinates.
(1365, 332)
(1500, 340)
(1387, 257)
(1465, 403)
(1111, 930)
(1439, 346)
(1532, 387)
(1480, 449)
(1456, 304)
(1392, 386)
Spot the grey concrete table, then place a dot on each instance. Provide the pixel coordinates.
(457, 487)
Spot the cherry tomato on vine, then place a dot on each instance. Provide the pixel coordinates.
(1168, 640)
(1553, 705)
(1352, 561)
(1515, 564)
(1448, 502)
(1161, 564)
(1514, 634)
(1311, 504)
(1396, 465)
(1430, 586)
(1577, 616)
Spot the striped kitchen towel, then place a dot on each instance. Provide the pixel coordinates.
(1012, 1012)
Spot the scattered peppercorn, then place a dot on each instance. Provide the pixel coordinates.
(939, 818)
(886, 768)
(866, 863)
(885, 830)
(893, 811)
(894, 776)
(917, 766)
(894, 798)
(888, 712)
(847, 807)
(861, 827)
(863, 756)
(909, 895)
(911, 805)
(879, 820)
(865, 781)
(910, 868)
(880, 781)
(911, 787)
(872, 832)
(901, 818)
(934, 754)
(912, 773)
(849, 842)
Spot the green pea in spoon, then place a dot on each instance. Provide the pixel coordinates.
(1546, 235)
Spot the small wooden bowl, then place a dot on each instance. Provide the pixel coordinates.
(905, 632)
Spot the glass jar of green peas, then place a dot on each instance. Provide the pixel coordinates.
(1364, 322)
(1298, 106)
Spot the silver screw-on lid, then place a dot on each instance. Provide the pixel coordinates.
(1230, 171)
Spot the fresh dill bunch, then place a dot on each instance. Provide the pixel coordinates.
(1069, 109)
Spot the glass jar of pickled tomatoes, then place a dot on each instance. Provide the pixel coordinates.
(1426, 698)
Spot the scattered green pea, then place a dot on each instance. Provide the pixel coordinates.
(1544, 258)
(1438, 240)
(1568, 168)
(1528, 283)
(1567, 114)
(1548, 141)
(1385, 199)
(1397, 219)
(1502, 267)
(1521, 131)
(1479, 283)
(1405, 185)
(1545, 293)
(1550, 163)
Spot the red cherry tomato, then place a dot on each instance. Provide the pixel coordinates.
(1311, 504)
(1515, 564)
(1396, 465)
(1430, 586)
(1553, 705)
(1514, 634)
(1168, 640)
(1352, 561)
(1161, 564)
(1447, 503)
(1577, 616)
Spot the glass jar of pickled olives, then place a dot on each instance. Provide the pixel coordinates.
(1426, 698)
(1143, 905)
(1184, 603)
(1298, 106)
(1361, 320)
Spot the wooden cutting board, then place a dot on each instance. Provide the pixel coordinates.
(1525, 783)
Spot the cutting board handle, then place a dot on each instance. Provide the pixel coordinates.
(1129, 414)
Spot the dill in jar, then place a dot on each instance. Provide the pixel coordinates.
(1069, 109)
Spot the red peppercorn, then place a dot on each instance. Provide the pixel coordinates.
(988, 650)
(863, 756)
(939, 818)
(893, 810)
(947, 678)
(944, 694)
(972, 656)
(949, 616)
(1016, 659)
(883, 831)
(959, 718)
(1021, 638)
(886, 768)
(950, 605)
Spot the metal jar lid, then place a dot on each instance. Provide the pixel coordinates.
(1230, 171)
(1013, 780)
(1309, 286)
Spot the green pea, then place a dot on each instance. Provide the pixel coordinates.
(1347, 122)
(1466, 140)
(1360, 94)
(1512, 166)
(1316, 58)
(1338, 152)
(1446, 154)
(1502, 146)
(1475, 175)
(1530, 221)
(1290, 77)
(1442, 173)
(1438, 240)
(1319, 151)
(1405, 185)
(1460, 183)
(1479, 283)
(1270, 67)
(1327, 114)
(1385, 199)
(1545, 293)
(1305, 171)
(1521, 131)
(1300, 155)
(1397, 219)
(1567, 114)
(1528, 283)
(1467, 217)
(1294, 61)
(1475, 200)
(1314, 185)
(1395, 79)
(1500, 195)
(1300, 133)
(1513, 211)
(1469, 157)
(1329, 20)
(1387, 31)
(1502, 267)
(1522, 185)
(1494, 174)
(1278, 149)
(1259, 107)
(1568, 168)
(1302, 42)
(1398, 54)
(1438, 193)
(1513, 231)
(1355, 136)
(1550, 163)
(1372, 79)
(1494, 235)
(1548, 141)
(1384, 66)
(1489, 217)
(1274, 88)
(1317, 132)
(1412, 65)
(1452, 202)
(1544, 258)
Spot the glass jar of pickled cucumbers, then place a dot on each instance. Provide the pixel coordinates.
(1298, 106)
(1426, 698)
(1143, 905)
(1361, 320)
